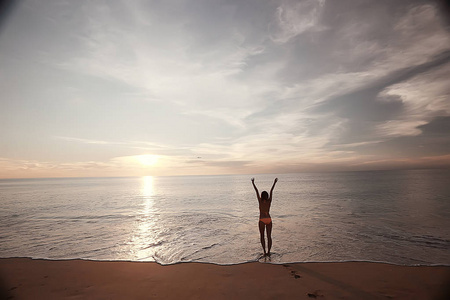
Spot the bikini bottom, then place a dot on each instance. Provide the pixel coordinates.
(266, 221)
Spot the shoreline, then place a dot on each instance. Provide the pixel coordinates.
(26, 278)
(231, 264)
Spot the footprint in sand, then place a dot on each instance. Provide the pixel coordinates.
(315, 294)
(293, 273)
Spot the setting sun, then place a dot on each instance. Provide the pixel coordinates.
(147, 159)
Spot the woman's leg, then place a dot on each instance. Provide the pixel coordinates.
(261, 232)
(269, 237)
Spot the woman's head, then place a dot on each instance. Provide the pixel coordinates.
(264, 196)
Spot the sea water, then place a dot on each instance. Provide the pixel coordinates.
(400, 217)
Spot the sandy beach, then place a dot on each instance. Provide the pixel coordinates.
(24, 278)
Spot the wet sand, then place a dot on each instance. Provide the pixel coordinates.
(24, 278)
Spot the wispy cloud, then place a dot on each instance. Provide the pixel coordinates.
(85, 141)
(256, 86)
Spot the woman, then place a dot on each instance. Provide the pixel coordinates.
(265, 221)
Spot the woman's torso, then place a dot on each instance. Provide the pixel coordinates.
(264, 208)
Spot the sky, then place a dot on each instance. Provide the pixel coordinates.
(149, 88)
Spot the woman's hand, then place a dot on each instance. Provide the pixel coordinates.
(253, 180)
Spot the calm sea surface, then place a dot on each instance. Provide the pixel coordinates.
(400, 217)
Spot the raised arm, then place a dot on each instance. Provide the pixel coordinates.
(256, 189)
(273, 186)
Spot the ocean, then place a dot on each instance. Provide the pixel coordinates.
(399, 217)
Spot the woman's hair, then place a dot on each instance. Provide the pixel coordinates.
(264, 196)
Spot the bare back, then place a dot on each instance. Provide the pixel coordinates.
(264, 208)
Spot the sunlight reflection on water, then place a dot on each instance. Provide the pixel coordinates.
(399, 217)
(144, 237)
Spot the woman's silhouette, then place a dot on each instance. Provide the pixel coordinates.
(265, 221)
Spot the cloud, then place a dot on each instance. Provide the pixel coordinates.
(295, 17)
(433, 140)
(143, 146)
(133, 165)
(256, 85)
(367, 107)
(85, 141)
